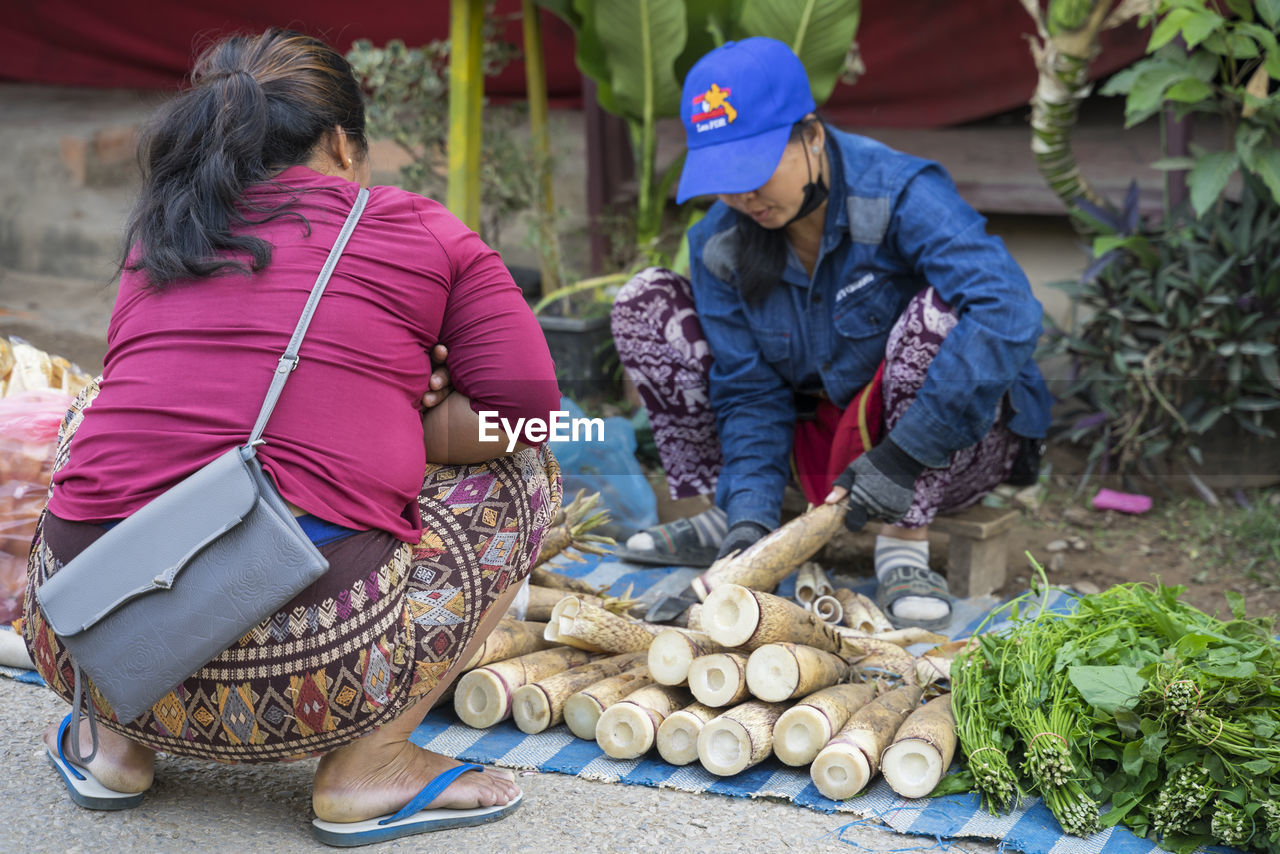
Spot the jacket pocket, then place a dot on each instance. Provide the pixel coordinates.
(867, 313)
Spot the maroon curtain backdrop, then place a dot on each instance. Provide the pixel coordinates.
(929, 63)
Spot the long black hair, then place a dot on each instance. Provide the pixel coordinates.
(257, 104)
(762, 252)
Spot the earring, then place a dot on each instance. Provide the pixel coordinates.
(814, 149)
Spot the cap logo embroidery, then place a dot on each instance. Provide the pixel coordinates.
(716, 109)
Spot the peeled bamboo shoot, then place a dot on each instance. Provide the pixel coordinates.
(828, 609)
(628, 728)
(811, 583)
(879, 621)
(781, 671)
(483, 697)
(767, 561)
(576, 623)
(719, 679)
(852, 612)
(511, 638)
(805, 728)
(673, 651)
(922, 749)
(582, 710)
(852, 757)
(539, 705)
(739, 617)
(678, 736)
(739, 738)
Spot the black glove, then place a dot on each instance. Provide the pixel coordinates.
(881, 485)
(741, 535)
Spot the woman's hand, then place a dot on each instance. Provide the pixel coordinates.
(880, 484)
(440, 384)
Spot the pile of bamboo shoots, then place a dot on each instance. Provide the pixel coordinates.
(753, 675)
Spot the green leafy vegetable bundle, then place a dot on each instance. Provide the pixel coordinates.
(1133, 709)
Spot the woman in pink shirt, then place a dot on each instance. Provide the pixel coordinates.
(249, 175)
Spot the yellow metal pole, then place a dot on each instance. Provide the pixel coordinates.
(535, 75)
(466, 94)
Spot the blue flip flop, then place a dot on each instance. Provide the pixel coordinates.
(83, 787)
(413, 818)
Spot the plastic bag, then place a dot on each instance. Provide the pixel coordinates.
(28, 438)
(604, 461)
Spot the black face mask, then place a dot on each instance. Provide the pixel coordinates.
(815, 193)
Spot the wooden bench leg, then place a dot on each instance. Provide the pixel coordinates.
(975, 567)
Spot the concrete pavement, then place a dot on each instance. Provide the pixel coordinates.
(198, 806)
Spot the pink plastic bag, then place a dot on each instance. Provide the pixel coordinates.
(28, 437)
(1125, 502)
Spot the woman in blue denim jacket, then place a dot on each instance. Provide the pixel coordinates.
(843, 298)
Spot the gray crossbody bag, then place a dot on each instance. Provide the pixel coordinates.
(172, 586)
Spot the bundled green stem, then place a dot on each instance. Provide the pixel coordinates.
(1133, 700)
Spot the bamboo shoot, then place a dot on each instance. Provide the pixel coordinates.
(770, 559)
(739, 617)
(540, 705)
(781, 671)
(805, 728)
(483, 697)
(922, 749)
(627, 729)
(576, 623)
(544, 577)
(739, 738)
(582, 710)
(510, 639)
(852, 757)
(719, 679)
(678, 736)
(673, 651)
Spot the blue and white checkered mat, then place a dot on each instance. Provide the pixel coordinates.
(1031, 829)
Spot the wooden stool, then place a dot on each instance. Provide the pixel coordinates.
(978, 548)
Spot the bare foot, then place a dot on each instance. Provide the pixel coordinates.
(361, 781)
(120, 764)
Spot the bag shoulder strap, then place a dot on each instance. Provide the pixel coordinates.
(289, 361)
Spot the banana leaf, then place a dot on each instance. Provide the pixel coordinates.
(819, 31)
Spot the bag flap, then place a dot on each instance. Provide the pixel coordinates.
(146, 551)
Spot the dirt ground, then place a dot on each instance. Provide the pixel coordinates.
(1181, 541)
(1170, 545)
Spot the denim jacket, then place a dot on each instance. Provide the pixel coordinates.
(894, 225)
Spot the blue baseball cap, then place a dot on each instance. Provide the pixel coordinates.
(739, 104)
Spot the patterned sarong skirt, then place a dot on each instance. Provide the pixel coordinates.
(353, 650)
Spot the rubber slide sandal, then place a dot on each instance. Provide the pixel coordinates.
(412, 819)
(902, 581)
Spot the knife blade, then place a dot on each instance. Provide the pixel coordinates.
(670, 608)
